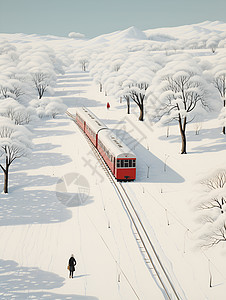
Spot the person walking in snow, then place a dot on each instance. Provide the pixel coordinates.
(71, 265)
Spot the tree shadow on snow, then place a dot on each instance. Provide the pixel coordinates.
(68, 94)
(32, 198)
(78, 76)
(26, 282)
(32, 207)
(41, 159)
(38, 206)
(150, 168)
(208, 140)
(72, 102)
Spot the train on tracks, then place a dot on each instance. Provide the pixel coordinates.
(119, 158)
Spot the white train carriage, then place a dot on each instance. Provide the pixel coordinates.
(89, 123)
(120, 159)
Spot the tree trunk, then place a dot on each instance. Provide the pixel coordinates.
(6, 177)
(223, 130)
(183, 139)
(141, 117)
(128, 105)
(183, 135)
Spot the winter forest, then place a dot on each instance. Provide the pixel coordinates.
(167, 91)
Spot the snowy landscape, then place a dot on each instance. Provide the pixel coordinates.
(167, 93)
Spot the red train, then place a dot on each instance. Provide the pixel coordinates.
(119, 158)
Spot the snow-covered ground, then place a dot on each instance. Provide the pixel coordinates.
(39, 230)
(61, 202)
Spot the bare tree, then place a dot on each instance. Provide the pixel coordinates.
(100, 87)
(122, 94)
(116, 67)
(212, 43)
(83, 62)
(14, 144)
(4, 91)
(137, 94)
(15, 111)
(214, 236)
(128, 103)
(17, 91)
(197, 127)
(177, 96)
(41, 82)
(20, 116)
(220, 85)
(213, 204)
(13, 91)
(215, 182)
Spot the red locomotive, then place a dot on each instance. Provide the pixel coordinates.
(119, 158)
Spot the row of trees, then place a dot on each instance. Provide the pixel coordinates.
(22, 75)
(178, 87)
(203, 39)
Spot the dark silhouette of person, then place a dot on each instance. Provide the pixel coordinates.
(71, 263)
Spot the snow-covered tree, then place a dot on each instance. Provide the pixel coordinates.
(48, 106)
(211, 205)
(42, 81)
(84, 63)
(222, 118)
(14, 143)
(136, 90)
(6, 47)
(119, 92)
(179, 92)
(55, 107)
(11, 79)
(41, 65)
(17, 112)
(12, 87)
(220, 84)
(103, 68)
(134, 78)
(212, 43)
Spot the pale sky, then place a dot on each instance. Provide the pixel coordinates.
(96, 17)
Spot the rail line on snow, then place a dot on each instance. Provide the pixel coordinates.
(147, 248)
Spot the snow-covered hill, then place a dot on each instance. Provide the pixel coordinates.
(188, 31)
(198, 30)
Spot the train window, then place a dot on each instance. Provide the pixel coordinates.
(126, 163)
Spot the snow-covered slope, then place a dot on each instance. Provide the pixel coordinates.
(188, 31)
(206, 29)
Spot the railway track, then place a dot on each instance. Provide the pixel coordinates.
(144, 242)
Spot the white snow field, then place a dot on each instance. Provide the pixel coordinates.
(61, 202)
